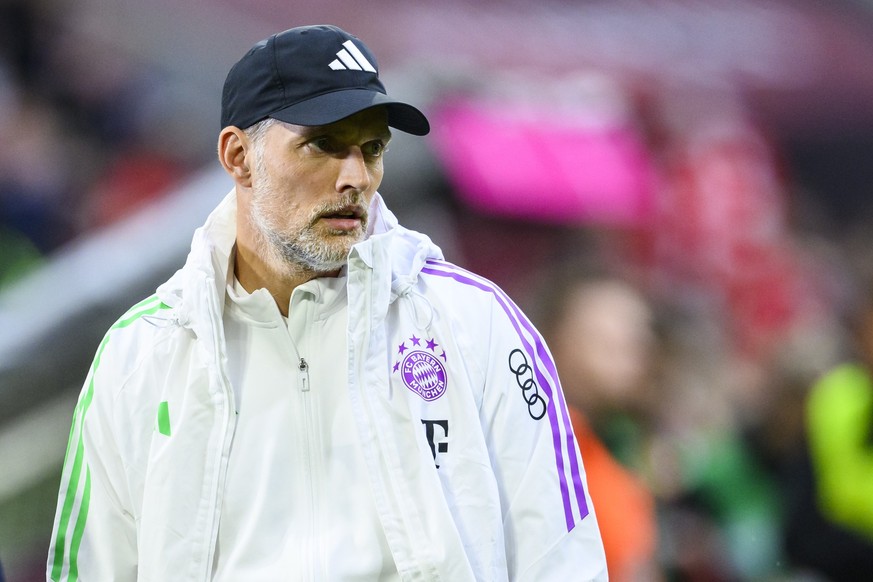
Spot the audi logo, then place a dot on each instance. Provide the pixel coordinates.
(524, 377)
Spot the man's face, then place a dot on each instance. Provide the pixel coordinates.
(312, 186)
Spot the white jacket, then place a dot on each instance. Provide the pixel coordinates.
(472, 460)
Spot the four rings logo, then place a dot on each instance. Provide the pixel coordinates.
(524, 377)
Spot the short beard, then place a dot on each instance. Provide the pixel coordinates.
(304, 249)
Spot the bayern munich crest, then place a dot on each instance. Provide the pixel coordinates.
(421, 366)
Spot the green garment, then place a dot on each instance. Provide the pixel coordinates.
(839, 418)
(17, 256)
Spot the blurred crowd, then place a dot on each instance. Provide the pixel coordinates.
(716, 348)
(706, 461)
(716, 353)
(91, 134)
(718, 362)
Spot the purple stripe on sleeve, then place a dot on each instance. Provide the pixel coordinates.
(516, 317)
(547, 361)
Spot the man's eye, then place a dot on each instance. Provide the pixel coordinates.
(323, 144)
(374, 149)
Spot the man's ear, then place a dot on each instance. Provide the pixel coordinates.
(233, 147)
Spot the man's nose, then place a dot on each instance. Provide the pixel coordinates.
(354, 172)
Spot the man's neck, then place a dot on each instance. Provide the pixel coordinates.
(254, 272)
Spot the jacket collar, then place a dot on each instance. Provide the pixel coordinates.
(391, 249)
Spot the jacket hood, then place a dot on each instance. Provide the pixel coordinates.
(404, 250)
(205, 272)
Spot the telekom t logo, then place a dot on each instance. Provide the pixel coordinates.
(430, 434)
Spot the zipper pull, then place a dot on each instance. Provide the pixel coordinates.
(304, 375)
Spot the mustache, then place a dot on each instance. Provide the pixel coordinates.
(350, 207)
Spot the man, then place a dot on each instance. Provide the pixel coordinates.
(317, 394)
(599, 328)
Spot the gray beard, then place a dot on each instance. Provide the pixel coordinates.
(303, 249)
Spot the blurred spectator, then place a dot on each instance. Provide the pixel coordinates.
(109, 99)
(93, 133)
(831, 518)
(599, 330)
(34, 168)
(681, 491)
(35, 175)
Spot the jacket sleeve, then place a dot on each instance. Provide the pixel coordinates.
(550, 529)
(93, 538)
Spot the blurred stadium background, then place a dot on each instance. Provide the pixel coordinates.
(718, 156)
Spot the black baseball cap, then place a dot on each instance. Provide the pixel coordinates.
(310, 75)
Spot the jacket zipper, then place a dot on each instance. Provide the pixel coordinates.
(311, 551)
(304, 375)
(311, 557)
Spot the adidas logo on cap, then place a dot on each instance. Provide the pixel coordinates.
(352, 58)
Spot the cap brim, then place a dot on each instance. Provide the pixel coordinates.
(332, 107)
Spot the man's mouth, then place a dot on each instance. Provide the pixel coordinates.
(345, 218)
